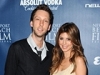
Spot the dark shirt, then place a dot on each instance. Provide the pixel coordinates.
(21, 60)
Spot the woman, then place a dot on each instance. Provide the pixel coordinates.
(68, 57)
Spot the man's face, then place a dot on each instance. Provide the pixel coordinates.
(40, 23)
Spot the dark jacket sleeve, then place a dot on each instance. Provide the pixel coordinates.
(11, 61)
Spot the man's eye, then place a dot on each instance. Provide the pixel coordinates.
(37, 18)
(46, 21)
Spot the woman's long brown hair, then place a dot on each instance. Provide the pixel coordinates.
(72, 30)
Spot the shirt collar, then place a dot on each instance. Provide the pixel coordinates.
(33, 45)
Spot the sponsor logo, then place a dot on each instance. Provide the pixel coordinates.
(5, 33)
(92, 5)
(96, 33)
(51, 36)
(31, 4)
(97, 60)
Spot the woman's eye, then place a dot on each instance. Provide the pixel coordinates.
(68, 39)
(61, 38)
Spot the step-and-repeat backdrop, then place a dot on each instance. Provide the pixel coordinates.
(15, 19)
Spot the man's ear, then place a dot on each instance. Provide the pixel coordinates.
(31, 23)
(49, 27)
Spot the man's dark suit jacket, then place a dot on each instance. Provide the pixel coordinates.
(21, 60)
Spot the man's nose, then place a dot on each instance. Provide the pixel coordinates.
(41, 22)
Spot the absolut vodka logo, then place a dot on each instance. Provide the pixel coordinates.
(5, 33)
(30, 4)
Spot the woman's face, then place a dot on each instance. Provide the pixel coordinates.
(65, 42)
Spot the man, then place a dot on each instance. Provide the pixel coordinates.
(23, 58)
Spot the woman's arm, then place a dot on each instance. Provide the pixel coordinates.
(80, 66)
